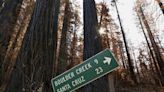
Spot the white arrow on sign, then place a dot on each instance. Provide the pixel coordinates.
(107, 60)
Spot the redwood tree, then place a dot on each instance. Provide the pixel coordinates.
(92, 44)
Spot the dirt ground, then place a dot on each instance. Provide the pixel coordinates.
(141, 89)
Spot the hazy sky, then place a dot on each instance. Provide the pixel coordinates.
(128, 19)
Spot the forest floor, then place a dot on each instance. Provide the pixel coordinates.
(145, 88)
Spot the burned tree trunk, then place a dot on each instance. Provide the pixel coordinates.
(150, 48)
(92, 44)
(18, 28)
(62, 62)
(131, 67)
(34, 66)
(154, 45)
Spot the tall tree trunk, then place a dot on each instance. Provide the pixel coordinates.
(8, 17)
(51, 29)
(35, 63)
(55, 35)
(131, 67)
(73, 46)
(92, 44)
(154, 45)
(62, 62)
(159, 44)
(19, 29)
(122, 54)
(136, 66)
(150, 50)
(24, 68)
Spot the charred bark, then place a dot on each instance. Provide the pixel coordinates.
(92, 44)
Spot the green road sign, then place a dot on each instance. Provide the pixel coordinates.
(86, 72)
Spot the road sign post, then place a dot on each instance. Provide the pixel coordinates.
(86, 72)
